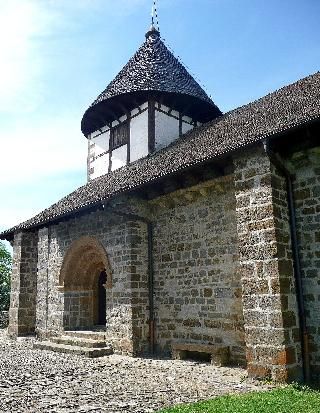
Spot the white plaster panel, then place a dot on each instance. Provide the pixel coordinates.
(104, 128)
(164, 108)
(139, 136)
(94, 134)
(100, 165)
(119, 157)
(144, 106)
(186, 127)
(187, 119)
(134, 112)
(101, 143)
(167, 129)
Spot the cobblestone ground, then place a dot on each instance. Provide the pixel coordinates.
(43, 381)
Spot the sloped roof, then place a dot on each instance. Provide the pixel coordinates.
(153, 68)
(289, 107)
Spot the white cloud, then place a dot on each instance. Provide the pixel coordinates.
(13, 216)
(34, 152)
(25, 26)
(38, 147)
(21, 22)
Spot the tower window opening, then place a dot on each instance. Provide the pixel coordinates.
(119, 136)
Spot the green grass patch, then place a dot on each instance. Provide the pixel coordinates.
(290, 399)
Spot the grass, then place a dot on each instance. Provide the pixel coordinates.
(290, 399)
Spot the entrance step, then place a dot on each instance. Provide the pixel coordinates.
(87, 334)
(71, 349)
(79, 341)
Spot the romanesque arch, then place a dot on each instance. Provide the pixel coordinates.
(84, 266)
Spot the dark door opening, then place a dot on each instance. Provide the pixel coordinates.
(102, 304)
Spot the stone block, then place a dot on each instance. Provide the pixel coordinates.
(259, 371)
(256, 318)
(220, 355)
(255, 287)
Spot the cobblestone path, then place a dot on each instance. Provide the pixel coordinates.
(41, 381)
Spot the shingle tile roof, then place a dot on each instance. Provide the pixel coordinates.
(291, 106)
(153, 68)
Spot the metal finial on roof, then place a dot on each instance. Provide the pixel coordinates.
(154, 16)
(154, 28)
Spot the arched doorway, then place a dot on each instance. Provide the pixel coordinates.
(102, 298)
(85, 275)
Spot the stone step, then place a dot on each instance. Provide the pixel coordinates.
(70, 349)
(79, 341)
(91, 335)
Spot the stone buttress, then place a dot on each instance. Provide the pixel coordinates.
(22, 314)
(266, 267)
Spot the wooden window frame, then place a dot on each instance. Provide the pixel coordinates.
(119, 136)
(121, 142)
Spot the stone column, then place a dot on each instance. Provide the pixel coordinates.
(130, 288)
(42, 283)
(266, 268)
(138, 239)
(22, 314)
(127, 300)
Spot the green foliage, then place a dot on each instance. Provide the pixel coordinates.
(290, 399)
(5, 271)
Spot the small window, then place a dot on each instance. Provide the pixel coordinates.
(119, 136)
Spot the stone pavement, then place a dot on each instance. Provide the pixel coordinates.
(42, 381)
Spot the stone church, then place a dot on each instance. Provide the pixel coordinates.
(197, 233)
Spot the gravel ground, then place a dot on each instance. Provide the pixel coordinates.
(43, 381)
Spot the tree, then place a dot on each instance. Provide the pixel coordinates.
(5, 271)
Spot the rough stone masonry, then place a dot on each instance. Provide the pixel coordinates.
(222, 260)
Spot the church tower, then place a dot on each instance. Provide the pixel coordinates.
(151, 102)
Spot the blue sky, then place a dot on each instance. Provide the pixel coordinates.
(56, 56)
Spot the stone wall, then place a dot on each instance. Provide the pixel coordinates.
(223, 269)
(266, 268)
(78, 309)
(22, 313)
(125, 244)
(197, 288)
(138, 241)
(42, 283)
(306, 167)
(4, 319)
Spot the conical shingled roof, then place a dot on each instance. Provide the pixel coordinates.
(152, 71)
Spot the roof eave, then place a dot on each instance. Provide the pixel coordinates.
(9, 234)
(114, 107)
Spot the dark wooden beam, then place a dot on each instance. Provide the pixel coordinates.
(172, 184)
(300, 139)
(154, 190)
(136, 104)
(122, 107)
(102, 114)
(180, 124)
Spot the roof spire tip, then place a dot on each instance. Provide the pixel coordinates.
(152, 32)
(154, 28)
